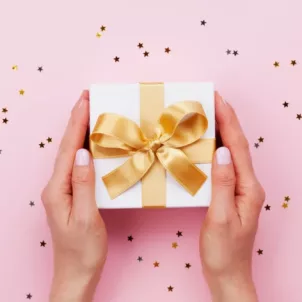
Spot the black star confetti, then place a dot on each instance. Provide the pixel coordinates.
(285, 104)
(260, 252)
(4, 120)
(179, 233)
(299, 116)
(188, 265)
(256, 145)
(293, 62)
(276, 64)
(43, 243)
(261, 139)
(170, 288)
(41, 145)
(139, 259)
(130, 238)
(167, 50)
(267, 207)
(31, 203)
(0, 151)
(235, 53)
(40, 68)
(49, 139)
(29, 296)
(287, 198)
(228, 52)
(4, 110)
(103, 28)
(140, 45)
(116, 59)
(146, 54)
(203, 22)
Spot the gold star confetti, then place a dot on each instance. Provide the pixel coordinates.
(41, 145)
(4, 110)
(293, 62)
(188, 265)
(15, 67)
(156, 264)
(98, 35)
(276, 64)
(285, 205)
(146, 54)
(103, 28)
(21, 92)
(5, 121)
(174, 245)
(170, 288)
(140, 45)
(49, 139)
(287, 198)
(116, 59)
(260, 252)
(167, 50)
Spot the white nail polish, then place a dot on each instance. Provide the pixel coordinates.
(82, 158)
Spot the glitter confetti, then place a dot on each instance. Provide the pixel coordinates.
(236, 53)
(41, 145)
(140, 259)
(267, 207)
(293, 62)
(260, 139)
(4, 120)
(286, 198)
(285, 205)
(140, 45)
(260, 252)
(31, 203)
(4, 110)
(130, 238)
(179, 234)
(170, 288)
(256, 145)
(167, 50)
(174, 245)
(228, 52)
(15, 67)
(40, 68)
(103, 28)
(203, 22)
(188, 265)
(43, 243)
(49, 139)
(29, 296)
(299, 116)
(285, 104)
(98, 35)
(146, 54)
(276, 64)
(116, 59)
(156, 264)
(21, 92)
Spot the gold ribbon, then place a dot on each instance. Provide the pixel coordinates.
(174, 144)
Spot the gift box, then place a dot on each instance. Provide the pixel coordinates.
(152, 144)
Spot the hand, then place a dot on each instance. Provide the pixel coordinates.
(78, 231)
(228, 232)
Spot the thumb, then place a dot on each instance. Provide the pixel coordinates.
(83, 183)
(222, 205)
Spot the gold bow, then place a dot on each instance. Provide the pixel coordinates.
(176, 144)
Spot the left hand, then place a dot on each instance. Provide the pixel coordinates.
(78, 231)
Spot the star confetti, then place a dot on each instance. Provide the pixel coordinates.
(293, 62)
(285, 205)
(285, 104)
(267, 207)
(31, 203)
(299, 116)
(49, 139)
(146, 54)
(286, 198)
(156, 264)
(4, 110)
(276, 64)
(130, 238)
(256, 145)
(179, 233)
(139, 259)
(40, 68)
(4, 120)
(15, 67)
(188, 265)
(21, 92)
(140, 45)
(174, 245)
(98, 35)
(103, 28)
(116, 59)
(203, 23)
(228, 52)
(41, 145)
(29, 296)
(170, 288)
(43, 243)
(260, 252)
(0, 151)
(167, 50)
(235, 53)
(261, 139)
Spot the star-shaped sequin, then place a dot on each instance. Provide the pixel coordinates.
(130, 238)
(174, 245)
(43, 243)
(103, 28)
(299, 116)
(285, 104)
(167, 50)
(156, 264)
(267, 207)
(203, 22)
(146, 54)
(188, 265)
(41, 145)
(286, 198)
(98, 35)
(170, 288)
(140, 259)
(15, 67)
(21, 92)
(31, 203)
(179, 233)
(140, 45)
(260, 252)
(49, 139)
(293, 62)
(29, 296)
(285, 205)
(235, 53)
(40, 68)
(260, 139)
(276, 64)
(4, 110)
(4, 120)
(228, 52)
(256, 145)
(116, 59)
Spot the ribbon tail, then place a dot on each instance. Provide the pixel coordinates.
(182, 169)
(128, 174)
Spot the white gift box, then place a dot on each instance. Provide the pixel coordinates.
(124, 99)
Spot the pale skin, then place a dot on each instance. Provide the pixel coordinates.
(79, 234)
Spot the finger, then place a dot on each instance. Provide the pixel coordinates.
(83, 184)
(72, 140)
(234, 139)
(222, 208)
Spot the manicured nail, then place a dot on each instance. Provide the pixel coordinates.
(223, 156)
(221, 98)
(82, 158)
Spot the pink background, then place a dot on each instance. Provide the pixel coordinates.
(61, 37)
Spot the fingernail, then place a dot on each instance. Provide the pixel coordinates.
(221, 98)
(82, 158)
(223, 156)
(83, 97)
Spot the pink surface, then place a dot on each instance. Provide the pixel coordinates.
(61, 37)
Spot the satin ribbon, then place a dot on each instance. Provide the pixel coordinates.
(175, 143)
